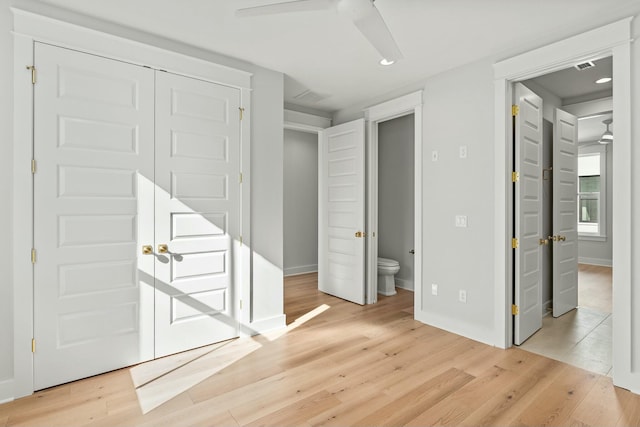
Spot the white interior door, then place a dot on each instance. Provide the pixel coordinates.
(341, 219)
(93, 143)
(528, 213)
(565, 215)
(197, 212)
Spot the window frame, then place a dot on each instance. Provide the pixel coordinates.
(587, 150)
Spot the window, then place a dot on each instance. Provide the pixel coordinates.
(591, 191)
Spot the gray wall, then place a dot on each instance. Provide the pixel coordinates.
(547, 216)
(300, 202)
(601, 252)
(266, 177)
(396, 198)
(6, 178)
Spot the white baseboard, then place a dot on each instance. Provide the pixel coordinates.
(596, 261)
(404, 284)
(302, 269)
(6, 391)
(467, 330)
(265, 325)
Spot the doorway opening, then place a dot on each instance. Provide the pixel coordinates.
(580, 336)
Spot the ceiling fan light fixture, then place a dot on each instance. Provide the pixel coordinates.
(387, 62)
(607, 136)
(603, 80)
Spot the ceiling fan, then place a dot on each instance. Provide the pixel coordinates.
(363, 13)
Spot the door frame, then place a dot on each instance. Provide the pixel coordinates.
(392, 109)
(610, 40)
(31, 27)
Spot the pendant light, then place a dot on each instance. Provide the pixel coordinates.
(607, 136)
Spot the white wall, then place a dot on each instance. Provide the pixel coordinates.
(266, 176)
(6, 171)
(635, 198)
(458, 110)
(396, 195)
(300, 202)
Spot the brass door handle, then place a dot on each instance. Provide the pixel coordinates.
(147, 250)
(562, 238)
(554, 238)
(163, 248)
(360, 234)
(412, 251)
(544, 241)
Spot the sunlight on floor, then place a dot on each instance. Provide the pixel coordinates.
(161, 380)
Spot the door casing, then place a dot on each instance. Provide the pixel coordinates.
(610, 40)
(398, 107)
(30, 27)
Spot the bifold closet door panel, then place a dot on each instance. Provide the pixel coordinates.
(197, 193)
(93, 206)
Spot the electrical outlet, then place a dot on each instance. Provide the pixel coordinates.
(462, 295)
(434, 289)
(434, 156)
(461, 221)
(463, 151)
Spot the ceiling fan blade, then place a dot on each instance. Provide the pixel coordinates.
(370, 23)
(284, 7)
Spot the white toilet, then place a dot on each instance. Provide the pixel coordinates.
(387, 268)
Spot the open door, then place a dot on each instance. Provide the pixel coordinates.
(341, 216)
(565, 215)
(528, 213)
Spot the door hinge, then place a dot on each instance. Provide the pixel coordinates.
(240, 240)
(33, 256)
(515, 110)
(33, 166)
(240, 177)
(514, 243)
(240, 304)
(241, 113)
(514, 310)
(515, 176)
(33, 73)
(33, 345)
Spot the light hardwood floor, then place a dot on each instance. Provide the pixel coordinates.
(338, 364)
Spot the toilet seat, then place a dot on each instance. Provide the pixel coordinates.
(386, 262)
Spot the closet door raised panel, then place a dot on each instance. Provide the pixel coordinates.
(93, 141)
(197, 211)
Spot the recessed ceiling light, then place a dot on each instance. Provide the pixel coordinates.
(603, 80)
(383, 61)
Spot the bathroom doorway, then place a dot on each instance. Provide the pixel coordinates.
(396, 204)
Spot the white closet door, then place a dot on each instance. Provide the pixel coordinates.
(197, 211)
(93, 141)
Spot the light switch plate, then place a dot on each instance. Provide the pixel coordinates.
(461, 221)
(434, 289)
(463, 151)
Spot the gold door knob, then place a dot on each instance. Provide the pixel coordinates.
(562, 238)
(147, 249)
(163, 249)
(544, 241)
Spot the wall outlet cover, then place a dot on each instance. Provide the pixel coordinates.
(461, 221)
(434, 289)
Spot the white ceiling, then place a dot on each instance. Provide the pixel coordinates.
(323, 51)
(573, 83)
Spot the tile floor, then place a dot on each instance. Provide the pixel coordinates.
(581, 337)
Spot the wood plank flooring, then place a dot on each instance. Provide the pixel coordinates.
(337, 364)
